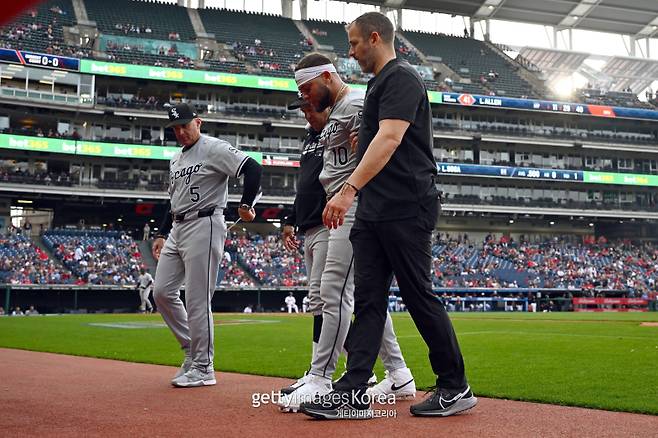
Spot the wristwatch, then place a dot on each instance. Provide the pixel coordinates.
(246, 207)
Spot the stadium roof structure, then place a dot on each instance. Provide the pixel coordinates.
(638, 18)
(554, 63)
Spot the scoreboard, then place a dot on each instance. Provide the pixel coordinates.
(39, 59)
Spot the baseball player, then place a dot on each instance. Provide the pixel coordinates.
(305, 302)
(322, 88)
(291, 303)
(306, 216)
(145, 285)
(191, 252)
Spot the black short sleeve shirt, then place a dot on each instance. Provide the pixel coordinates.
(405, 187)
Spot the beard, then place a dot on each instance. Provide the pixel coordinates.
(324, 101)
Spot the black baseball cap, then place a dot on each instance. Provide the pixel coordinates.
(297, 103)
(180, 114)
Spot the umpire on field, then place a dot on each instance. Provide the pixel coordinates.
(398, 209)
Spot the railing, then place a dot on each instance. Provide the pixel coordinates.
(44, 96)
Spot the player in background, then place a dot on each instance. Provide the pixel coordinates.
(145, 285)
(191, 252)
(291, 303)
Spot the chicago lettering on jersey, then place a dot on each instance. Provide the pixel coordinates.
(186, 173)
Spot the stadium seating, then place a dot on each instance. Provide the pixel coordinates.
(129, 18)
(475, 60)
(558, 263)
(41, 29)
(22, 262)
(231, 274)
(561, 262)
(271, 43)
(266, 260)
(96, 257)
(331, 34)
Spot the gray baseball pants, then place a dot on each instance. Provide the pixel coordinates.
(145, 303)
(191, 255)
(337, 295)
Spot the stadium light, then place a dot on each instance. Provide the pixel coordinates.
(152, 220)
(564, 87)
(511, 221)
(591, 224)
(552, 223)
(24, 201)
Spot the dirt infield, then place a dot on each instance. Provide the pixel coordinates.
(44, 394)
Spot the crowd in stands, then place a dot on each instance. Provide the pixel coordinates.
(40, 29)
(267, 260)
(557, 263)
(231, 274)
(22, 262)
(564, 263)
(103, 260)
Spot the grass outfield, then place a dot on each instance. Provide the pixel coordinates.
(605, 361)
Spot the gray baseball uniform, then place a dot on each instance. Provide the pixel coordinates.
(337, 283)
(145, 285)
(191, 255)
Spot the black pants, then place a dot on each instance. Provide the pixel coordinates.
(403, 248)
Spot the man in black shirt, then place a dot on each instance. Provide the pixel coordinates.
(306, 217)
(397, 211)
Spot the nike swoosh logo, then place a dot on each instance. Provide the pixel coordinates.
(395, 388)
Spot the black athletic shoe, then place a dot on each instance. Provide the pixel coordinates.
(445, 402)
(340, 405)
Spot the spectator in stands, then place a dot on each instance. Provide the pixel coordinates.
(31, 311)
(248, 309)
(17, 312)
(2, 311)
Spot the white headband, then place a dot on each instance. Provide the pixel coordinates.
(304, 75)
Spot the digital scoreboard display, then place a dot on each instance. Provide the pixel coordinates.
(39, 60)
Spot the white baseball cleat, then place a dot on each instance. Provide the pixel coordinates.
(398, 382)
(195, 377)
(301, 381)
(311, 390)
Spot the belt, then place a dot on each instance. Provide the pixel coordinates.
(189, 215)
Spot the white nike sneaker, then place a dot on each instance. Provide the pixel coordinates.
(310, 391)
(399, 382)
(302, 380)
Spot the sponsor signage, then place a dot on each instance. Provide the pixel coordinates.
(95, 149)
(466, 99)
(528, 173)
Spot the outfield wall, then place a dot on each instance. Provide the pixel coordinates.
(117, 299)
